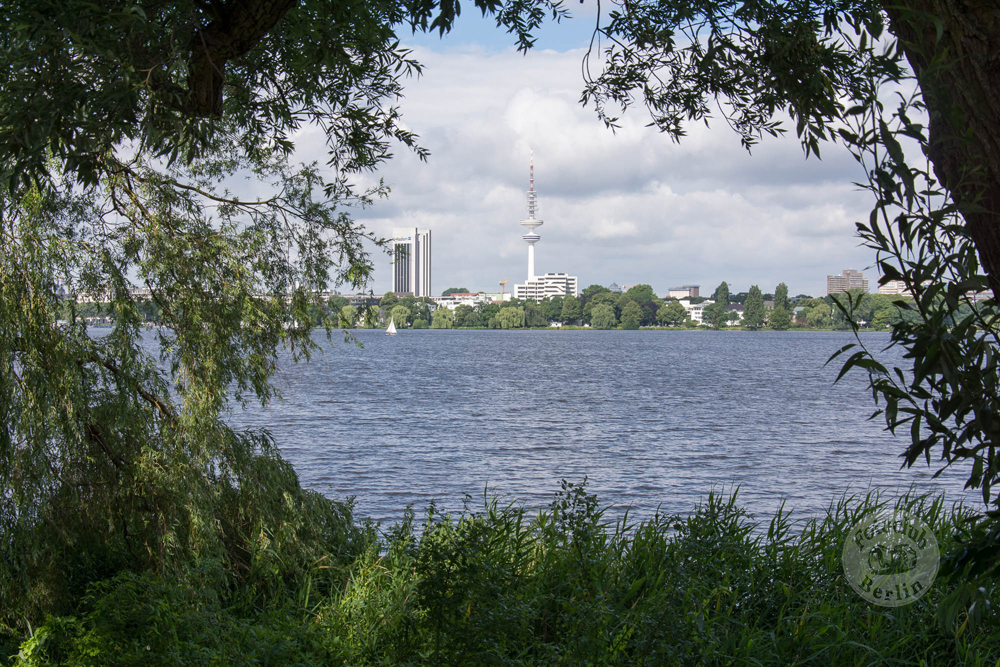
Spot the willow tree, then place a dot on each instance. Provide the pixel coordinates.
(147, 151)
(912, 89)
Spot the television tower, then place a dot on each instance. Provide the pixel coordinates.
(530, 222)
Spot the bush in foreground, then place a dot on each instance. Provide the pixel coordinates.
(503, 587)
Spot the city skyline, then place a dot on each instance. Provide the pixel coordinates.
(627, 207)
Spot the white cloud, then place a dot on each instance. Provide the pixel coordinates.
(629, 206)
(608, 229)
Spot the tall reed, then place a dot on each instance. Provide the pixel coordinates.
(505, 586)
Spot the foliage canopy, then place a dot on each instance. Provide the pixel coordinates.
(911, 89)
(130, 137)
(125, 130)
(753, 309)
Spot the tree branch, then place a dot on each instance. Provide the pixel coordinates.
(152, 399)
(94, 434)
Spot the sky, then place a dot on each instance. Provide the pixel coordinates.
(628, 207)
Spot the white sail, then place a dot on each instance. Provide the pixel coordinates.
(391, 331)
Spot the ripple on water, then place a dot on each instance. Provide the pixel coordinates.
(652, 419)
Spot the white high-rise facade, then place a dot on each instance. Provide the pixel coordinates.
(549, 285)
(411, 261)
(536, 288)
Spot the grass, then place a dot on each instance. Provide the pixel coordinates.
(502, 586)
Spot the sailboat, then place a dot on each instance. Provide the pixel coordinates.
(391, 331)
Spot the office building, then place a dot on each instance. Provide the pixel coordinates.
(696, 311)
(683, 292)
(471, 299)
(411, 261)
(894, 287)
(848, 280)
(549, 285)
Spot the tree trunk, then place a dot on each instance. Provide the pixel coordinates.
(236, 28)
(959, 75)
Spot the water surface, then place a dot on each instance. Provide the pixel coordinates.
(651, 418)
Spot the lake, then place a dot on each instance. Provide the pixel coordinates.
(653, 419)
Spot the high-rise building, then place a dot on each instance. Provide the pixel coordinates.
(535, 287)
(549, 285)
(411, 261)
(849, 279)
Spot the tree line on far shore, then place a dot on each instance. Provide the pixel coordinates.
(597, 307)
(638, 307)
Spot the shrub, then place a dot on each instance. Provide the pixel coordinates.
(564, 586)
